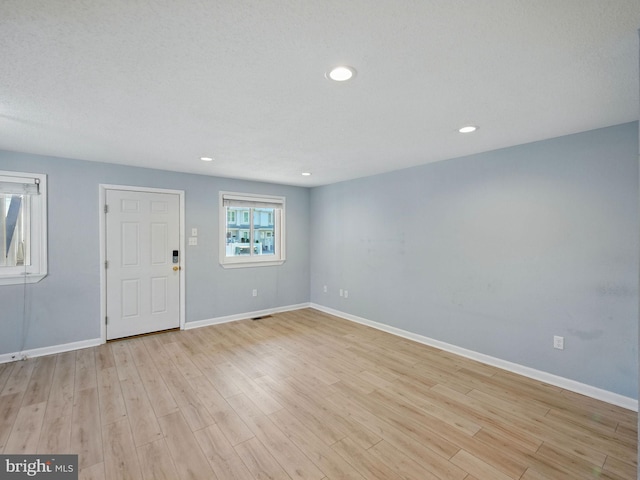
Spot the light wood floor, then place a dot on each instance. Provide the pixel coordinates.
(304, 395)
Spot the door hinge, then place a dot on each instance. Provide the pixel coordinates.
(106, 320)
(106, 209)
(106, 264)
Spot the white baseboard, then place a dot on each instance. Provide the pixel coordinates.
(567, 384)
(244, 316)
(52, 350)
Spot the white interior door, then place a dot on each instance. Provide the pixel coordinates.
(142, 281)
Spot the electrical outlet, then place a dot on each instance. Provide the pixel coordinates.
(255, 292)
(193, 241)
(346, 294)
(558, 342)
(341, 292)
(325, 289)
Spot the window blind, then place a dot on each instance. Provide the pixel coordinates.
(251, 202)
(19, 186)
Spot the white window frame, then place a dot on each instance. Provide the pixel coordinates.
(240, 261)
(37, 227)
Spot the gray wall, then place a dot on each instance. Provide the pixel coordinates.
(497, 253)
(494, 252)
(65, 306)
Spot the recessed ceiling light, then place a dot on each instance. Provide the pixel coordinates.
(306, 174)
(468, 129)
(206, 159)
(341, 73)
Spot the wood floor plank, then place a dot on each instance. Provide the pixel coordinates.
(5, 371)
(159, 395)
(571, 464)
(181, 360)
(528, 434)
(303, 394)
(402, 465)
(370, 466)
(477, 467)
(461, 439)
(112, 407)
(120, 458)
(9, 408)
(288, 455)
(533, 474)
(94, 472)
(55, 437)
(224, 460)
(26, 430)
(156, 462)
(86, 431)
(60, 402)
(323, 411)
(19, 376)
(400, 440)
(259, 461)
(155, 350)
(144, 423)
(124, 361)
(299, 406)
(266, 402)
(620, 468)
(509, 404)
(327, 459)
(39, 385)
(415, 426)
(225, 417)
(187, 456)
(187, 399)
(139, 352)
(104, 357)
(222, 382)
(422, 402)
(85, 369)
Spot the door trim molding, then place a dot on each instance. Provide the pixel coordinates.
(102, 191)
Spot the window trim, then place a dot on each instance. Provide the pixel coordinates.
(264, 201)
(38, 269)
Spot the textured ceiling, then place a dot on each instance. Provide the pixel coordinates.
(161, 83)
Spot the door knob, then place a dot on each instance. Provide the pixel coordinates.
(176, 268)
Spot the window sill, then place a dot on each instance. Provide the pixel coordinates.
(269, 263)
(21, 279)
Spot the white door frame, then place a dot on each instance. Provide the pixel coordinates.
(103, 248)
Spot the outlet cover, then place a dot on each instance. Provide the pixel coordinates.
(255, 292)
(558, 342)
(193, 241)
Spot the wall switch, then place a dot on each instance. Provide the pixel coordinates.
(346, 294)
(341, 292)
(194, 232)
(255, 292)
(193, 240)
(558, 342)
(325, 289)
